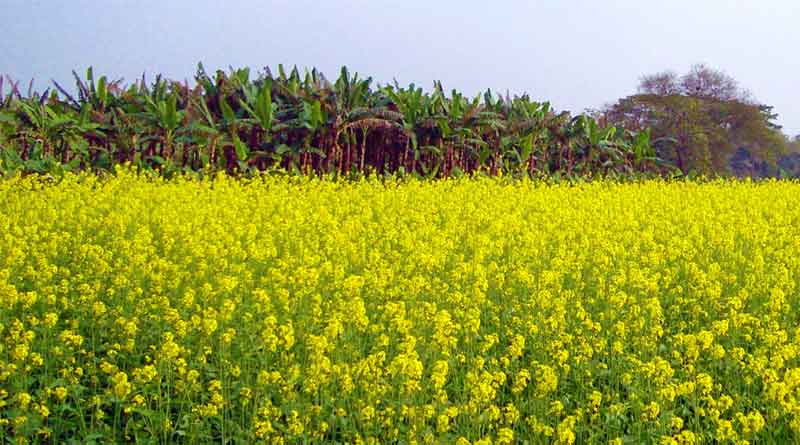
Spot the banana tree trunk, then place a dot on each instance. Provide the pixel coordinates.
(363, 149)
(404, 157)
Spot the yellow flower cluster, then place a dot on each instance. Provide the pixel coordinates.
(284, 310)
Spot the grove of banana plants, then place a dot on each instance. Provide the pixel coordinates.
(241, 123)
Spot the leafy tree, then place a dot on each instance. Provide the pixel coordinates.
(700, 120)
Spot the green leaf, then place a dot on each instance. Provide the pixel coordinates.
(283, 149)
(170, 112)
(242, 151)
(527, 147)
(11, 159)
(73, 164)
(432, 149)
(35, 165)
(7, 117)
(264, 105)
(317, 151)
(102, 90)
(157, 159)
(206, 112)
(90, 79)
(205, 129)
(227, 112)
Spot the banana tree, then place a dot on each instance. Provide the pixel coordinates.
(600, 149)
(644, 151)
(410, 104)
(350, 93)
(165, 115)
(238, 121)
(313, 119)
(261, 110)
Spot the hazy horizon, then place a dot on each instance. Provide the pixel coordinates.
(576, 55)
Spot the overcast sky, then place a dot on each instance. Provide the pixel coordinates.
(577, 54)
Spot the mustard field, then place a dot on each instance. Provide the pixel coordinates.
(286, 310)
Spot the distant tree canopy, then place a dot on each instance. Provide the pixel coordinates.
(789, 164)
(701, 120)
(794, 145)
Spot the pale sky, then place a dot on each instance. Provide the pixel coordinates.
(577, 54)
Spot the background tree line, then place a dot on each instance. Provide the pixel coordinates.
(305, 123)
(701, 122)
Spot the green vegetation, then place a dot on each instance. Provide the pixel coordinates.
(280, 310)
(305, 123)
(707, 123)
(701, 123)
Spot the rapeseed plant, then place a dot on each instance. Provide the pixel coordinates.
(474, 311)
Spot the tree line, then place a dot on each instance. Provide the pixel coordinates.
(302, 122)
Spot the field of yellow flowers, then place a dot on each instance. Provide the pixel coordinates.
(288, 310)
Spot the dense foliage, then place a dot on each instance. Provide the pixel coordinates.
(289, 310)
(705, 122)
(305, 123)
